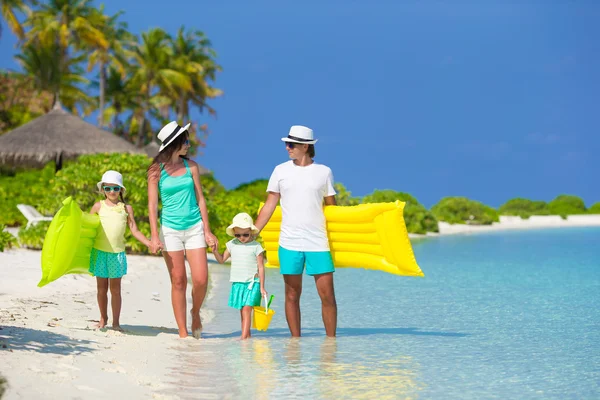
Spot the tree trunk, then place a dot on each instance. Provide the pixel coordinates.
(102, 90)
(145, 106)
(181, 109)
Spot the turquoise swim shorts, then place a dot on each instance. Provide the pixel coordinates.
(292, 262)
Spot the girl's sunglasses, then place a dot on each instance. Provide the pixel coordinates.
(237, 235)
(108, 189)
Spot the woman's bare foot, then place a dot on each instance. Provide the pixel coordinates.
(102, 323)
(196, 325)
(118, 328)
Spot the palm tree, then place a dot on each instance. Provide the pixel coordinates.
(42, 66)
(10, 8)
(194, 57)
(121, 95)
(152, 71)
(63, 23)
(118, 40)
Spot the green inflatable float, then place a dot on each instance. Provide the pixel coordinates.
(68, 243)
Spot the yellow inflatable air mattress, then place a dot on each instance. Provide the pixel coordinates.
(68, 242)
(371, 236)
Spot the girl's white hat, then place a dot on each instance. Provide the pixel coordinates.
(169, 132)
(300, 134)
(242, 221)
(111, 177)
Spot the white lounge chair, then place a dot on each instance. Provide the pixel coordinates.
(33, 216)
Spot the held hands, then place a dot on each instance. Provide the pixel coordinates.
(211, 239)
(155, 245)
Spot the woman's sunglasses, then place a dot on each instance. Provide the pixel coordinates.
(108, 189)
(237, 235)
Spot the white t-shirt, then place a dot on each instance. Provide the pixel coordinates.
(302, 190)
(243, 260)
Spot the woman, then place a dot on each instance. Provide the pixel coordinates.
(302, 186)
(184, 231)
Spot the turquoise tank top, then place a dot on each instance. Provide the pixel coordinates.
(180, 209)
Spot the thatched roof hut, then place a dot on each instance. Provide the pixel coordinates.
(57, 136)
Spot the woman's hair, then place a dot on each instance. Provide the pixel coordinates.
(167, 153)
(311, 150)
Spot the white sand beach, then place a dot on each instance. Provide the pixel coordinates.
(50, 350)
(517, 223)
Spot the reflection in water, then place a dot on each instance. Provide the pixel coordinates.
(367, 378)
(263, 368)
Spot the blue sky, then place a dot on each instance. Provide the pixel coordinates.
(485, 99)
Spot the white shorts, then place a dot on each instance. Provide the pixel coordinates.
(188, 239)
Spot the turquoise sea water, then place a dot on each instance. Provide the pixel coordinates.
(502, 315)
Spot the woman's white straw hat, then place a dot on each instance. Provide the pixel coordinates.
(242, 221)
(169, 132)
(300, 134)
(113, 177)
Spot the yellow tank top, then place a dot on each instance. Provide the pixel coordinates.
(113, 223)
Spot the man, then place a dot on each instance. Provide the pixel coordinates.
(301, 185)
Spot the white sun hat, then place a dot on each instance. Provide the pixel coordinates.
(300, 134)
(242, 221)
(169, 132)
(113, 177)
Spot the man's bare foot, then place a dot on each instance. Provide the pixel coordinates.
(196, 325)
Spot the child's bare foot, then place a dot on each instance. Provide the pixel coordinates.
(196, 324)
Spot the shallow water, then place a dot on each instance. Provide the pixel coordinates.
(502, 315)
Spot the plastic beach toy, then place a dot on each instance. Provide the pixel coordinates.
(68, 243)
(371, 236)
(263, 315)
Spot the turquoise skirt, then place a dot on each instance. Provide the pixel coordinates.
(244, 294)
(108, 265)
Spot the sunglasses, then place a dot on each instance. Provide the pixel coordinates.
(108, 189)
(238, 235)
(187, 142)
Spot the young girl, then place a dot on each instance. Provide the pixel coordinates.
(247, 268)
(108, 262)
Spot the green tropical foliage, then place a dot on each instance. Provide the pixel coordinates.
(460, 210)
(524, 208)
(6, 239)
(565, 205)
(594, 209)
(33, 237)
(343, 196)
(27, 187)
(417, 218)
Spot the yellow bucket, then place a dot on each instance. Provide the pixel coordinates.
(261, 318)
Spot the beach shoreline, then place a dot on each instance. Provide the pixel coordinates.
(49, 345)
(510, 223)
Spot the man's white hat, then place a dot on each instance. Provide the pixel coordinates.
(300, 134)
(113, 177)
(169, 132)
